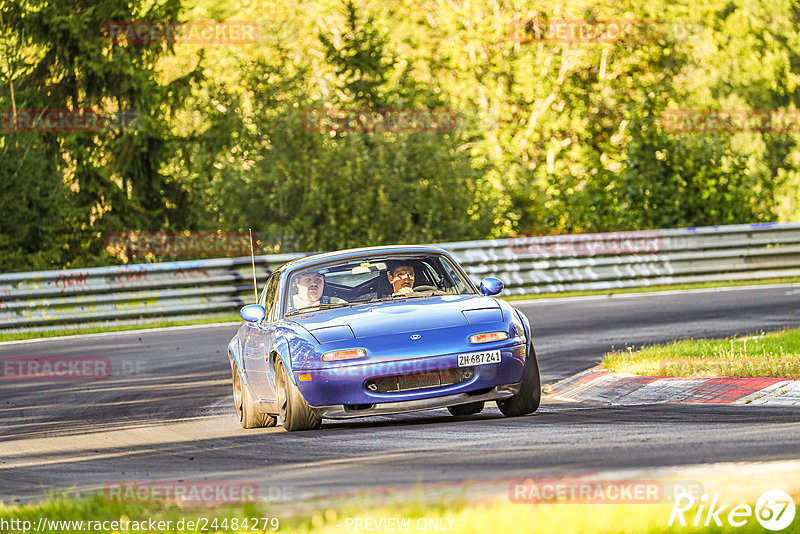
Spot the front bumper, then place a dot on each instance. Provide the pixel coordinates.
(343, 411)
(347, 384)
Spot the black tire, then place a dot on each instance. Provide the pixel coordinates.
(246, 410)
(530, 393)
(466, 409)
(292, 407)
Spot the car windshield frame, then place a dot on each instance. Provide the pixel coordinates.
(378, 258)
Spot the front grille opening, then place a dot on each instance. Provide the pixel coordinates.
(420, 380)
(358, 407)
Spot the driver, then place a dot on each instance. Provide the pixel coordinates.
(401, 276)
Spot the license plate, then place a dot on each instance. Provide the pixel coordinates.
(478, 358)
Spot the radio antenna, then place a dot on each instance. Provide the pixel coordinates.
(253, 263)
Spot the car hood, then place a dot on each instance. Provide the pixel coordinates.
(400, 316)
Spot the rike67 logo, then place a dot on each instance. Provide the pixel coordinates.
(774, 510)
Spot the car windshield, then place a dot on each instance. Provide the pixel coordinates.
(371, 279)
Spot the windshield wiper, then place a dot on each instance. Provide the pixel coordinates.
(317, 307)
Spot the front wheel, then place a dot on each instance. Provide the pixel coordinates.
(292, 407)
(246, 411)
(530, 392)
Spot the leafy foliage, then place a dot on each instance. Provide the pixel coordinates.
(552, 135)
(59, 58)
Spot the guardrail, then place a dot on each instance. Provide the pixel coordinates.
(550, 264)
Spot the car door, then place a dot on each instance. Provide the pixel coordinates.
(257, 343)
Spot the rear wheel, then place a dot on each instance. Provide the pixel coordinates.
(466, 409)
(292, 407)
(246, 411)
(530, 392)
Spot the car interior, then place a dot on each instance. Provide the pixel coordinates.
(368, 281)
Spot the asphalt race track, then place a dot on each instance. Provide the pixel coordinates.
(165, 412)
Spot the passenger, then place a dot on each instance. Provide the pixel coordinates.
(310, 286)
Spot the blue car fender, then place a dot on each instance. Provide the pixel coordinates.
(525, 323)
(510, 312)
(234, 357)
(281, 350)
(295, 346)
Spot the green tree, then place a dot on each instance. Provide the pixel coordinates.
(686, 180)
(359, 58)
(112, 179)
(333, 189)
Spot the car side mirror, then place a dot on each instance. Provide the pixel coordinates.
(253, 313)
(491, 286)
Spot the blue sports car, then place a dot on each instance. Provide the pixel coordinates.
(376, 331)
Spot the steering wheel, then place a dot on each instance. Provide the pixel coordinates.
(424, 288)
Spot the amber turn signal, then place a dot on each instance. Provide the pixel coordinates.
(488, 337)
(339, 355)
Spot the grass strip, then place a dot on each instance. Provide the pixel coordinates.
(459, 516)
(775, 355)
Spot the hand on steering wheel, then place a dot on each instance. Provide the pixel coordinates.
(424, 288)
